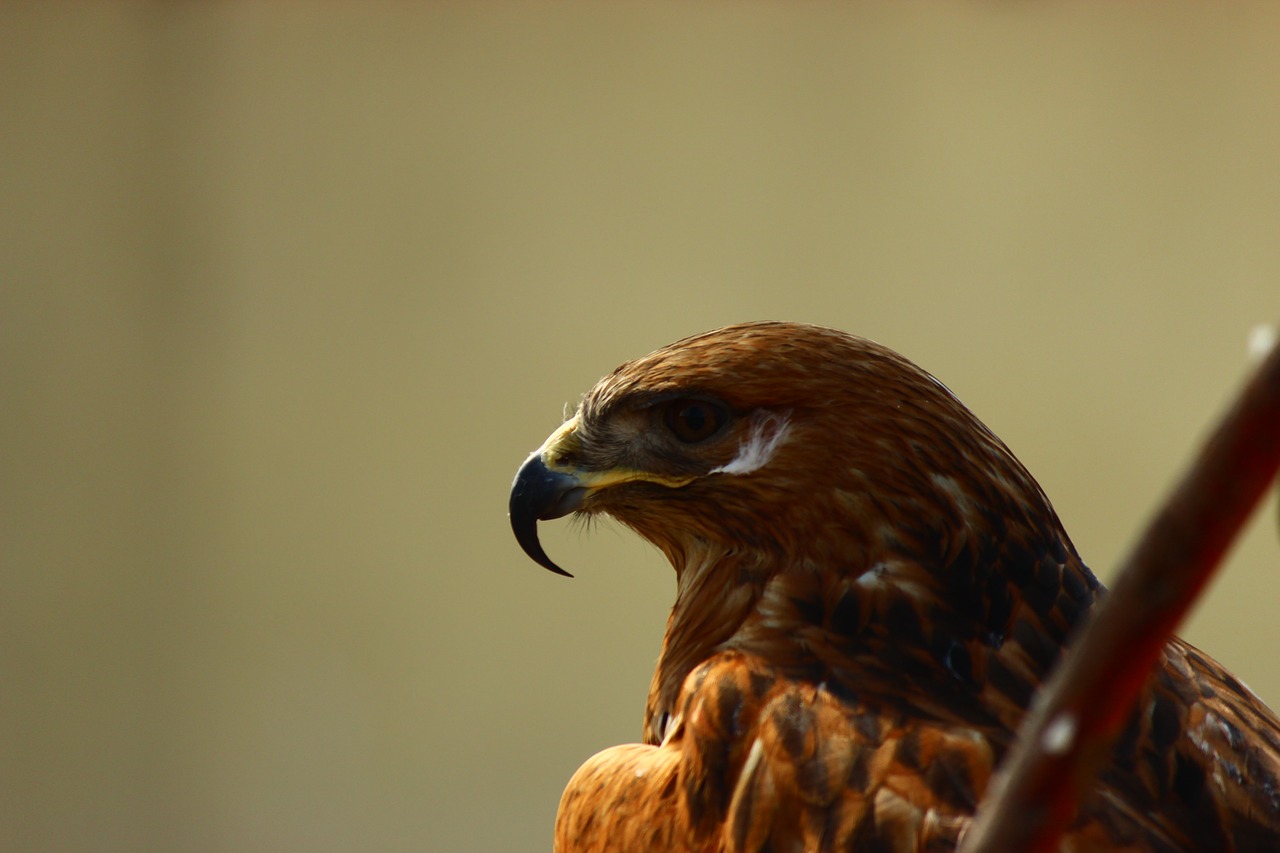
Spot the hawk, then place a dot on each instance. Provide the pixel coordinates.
(870, 588)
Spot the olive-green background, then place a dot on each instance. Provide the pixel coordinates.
(289, 291)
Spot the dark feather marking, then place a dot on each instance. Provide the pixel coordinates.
(1000, 599)
(903, 621)
(802, 669)
(859, 770)
(1263, 778)
(706, 793)
(1060, 550)
(1188, 779)
(729, 706)
(1074, 585)
(846, 616)
(813, 780)
(1071, 610)
(1165, 725)
(693, 796)
(964, 583)
(868, 725)
(693, 799)
(949, 779)
(1233, 683)
(997, 528)
(792, 723)
(917, 669)
(962, 564)
(1200, 662)
(1124, 753)
(841, 686)
(1042, 592)
(669, 789)
(831, 825)
(1031, 637)
(1249, 834)
(1007, 682)
(810, 610)
(1019, 571)
(1018, 561)
(908, 750)
(867, 837)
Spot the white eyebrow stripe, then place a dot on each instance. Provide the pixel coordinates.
(767, 432)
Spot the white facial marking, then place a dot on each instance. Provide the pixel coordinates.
(764, 436)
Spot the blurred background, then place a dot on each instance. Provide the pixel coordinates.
(287, 293)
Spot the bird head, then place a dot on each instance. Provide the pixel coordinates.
(792, 442)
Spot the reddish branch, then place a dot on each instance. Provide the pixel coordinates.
(1068, 734)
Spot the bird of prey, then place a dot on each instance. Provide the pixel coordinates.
(870, 588)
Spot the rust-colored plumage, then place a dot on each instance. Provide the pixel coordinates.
(870, 588)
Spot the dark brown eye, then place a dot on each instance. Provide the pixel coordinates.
(694, 420)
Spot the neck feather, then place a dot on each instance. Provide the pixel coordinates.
(716, 592)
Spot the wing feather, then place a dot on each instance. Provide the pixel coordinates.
(758, 761)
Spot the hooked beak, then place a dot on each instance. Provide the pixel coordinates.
(540, 493)
(552, 483)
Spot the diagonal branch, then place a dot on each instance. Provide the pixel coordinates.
(1068, 733)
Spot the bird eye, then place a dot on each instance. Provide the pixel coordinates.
(694, 420)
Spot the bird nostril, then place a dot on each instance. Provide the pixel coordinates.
(563, 459)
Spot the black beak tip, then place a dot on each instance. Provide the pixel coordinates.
(525, 527)
(535, 494)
